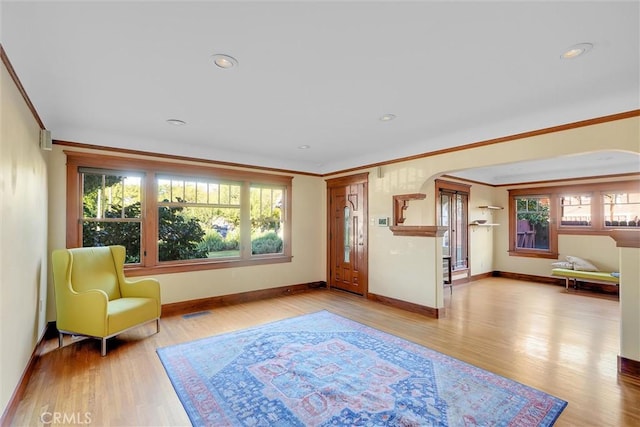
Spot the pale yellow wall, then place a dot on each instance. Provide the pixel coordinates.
(600, 250)
(481, 259)
(394, 267)
(406, 268)
(23, 237)
(308, 245)
(629, 302)
(397, 264)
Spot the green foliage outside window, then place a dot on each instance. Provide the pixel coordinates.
(536, 210)
(178, 236)
(127, 234)
(205, 225)
(268, 243)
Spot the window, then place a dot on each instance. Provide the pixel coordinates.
(575, 210)
(538, 215)
(111, 214)
(174, 217)
(197, 219)
(532, 219)
(266, 219)
(621, 209)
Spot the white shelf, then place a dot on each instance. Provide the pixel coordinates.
(491, 207)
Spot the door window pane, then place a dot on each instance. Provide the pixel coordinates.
(347, 234)
(444, 221)
(453, 215)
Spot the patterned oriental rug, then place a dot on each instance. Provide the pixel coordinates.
(321, 369)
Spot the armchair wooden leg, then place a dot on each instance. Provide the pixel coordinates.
(103, 351)
(60, 339)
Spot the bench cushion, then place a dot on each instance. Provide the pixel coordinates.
(600, 276)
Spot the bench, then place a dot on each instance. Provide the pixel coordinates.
(600, 277)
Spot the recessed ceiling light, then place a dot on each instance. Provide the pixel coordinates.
(176, 122)
(576, 50)
(387, 117)
(304, 147)
(224, 61)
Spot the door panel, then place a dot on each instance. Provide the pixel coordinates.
(347, 246)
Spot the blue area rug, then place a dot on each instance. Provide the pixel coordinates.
(321, 369)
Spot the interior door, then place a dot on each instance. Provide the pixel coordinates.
(347, 234)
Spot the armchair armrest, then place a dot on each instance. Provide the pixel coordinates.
(84, 312)
(142, 288)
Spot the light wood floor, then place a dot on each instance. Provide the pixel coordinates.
(565, 344)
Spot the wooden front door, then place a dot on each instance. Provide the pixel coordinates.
(347, 229)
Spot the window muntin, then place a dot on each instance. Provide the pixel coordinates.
(575, 210)
(621, 209)
(111, 210)
(199, 191)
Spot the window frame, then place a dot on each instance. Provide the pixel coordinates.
(555, 193)
(151, 169)
(83, 172)
(552, 252)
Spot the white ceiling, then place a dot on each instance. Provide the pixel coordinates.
(322, 74)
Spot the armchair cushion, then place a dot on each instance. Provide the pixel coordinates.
(124, 313)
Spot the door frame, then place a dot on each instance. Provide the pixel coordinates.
(455, 187)
(361, 178)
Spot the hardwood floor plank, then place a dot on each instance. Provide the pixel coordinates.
(565, 344)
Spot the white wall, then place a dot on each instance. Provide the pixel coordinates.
(308, 245)
(23, 237)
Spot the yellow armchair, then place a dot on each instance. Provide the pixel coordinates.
(94, 299)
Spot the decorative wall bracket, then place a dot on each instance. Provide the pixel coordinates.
(401, 203)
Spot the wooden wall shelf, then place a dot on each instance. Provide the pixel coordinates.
(418, 230)
(626, 238)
